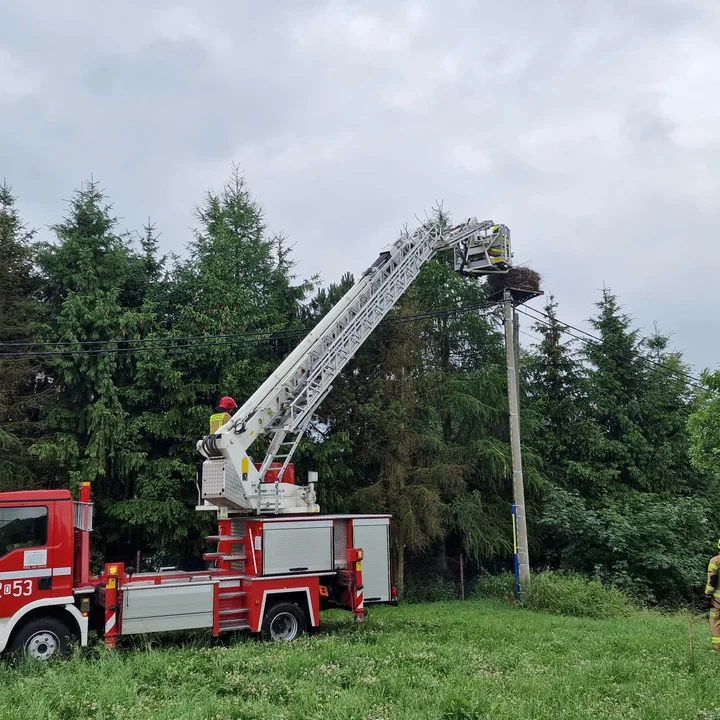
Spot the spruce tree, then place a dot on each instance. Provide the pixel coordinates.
(620, 445)
(90, 433)
(156, 511)
(237, 280)
(465, 405)
(616, 388)
(639, 394)
(566, 432)
(666, 408)
(23, 385)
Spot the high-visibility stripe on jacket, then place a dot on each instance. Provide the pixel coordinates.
(217, 420)
(712, 588)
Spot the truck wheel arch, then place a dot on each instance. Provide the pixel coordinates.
(61, 609)
(300, 596)
(284, 611)
(40, 638)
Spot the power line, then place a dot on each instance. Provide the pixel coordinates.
(148, 348)
(628, 355)
(236, 339)
(604, 343)
(263, 336)
(532, 337)
(667, 372)
(80, 343)
(247, 334)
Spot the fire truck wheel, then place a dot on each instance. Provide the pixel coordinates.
(41, 639)
(284, 621)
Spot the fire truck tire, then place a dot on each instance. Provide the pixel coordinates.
(284, 621)
(42, 639)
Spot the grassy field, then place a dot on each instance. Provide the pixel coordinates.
(450, 661)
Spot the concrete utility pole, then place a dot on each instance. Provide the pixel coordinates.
(522, 558)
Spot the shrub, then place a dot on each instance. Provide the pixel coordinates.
(572, 594)
(429, 588)
(497, 587)
(653, 549)
(561, 593)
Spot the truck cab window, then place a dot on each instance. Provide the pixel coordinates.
(22, 527)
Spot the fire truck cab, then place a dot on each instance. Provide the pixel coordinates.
(38, 599)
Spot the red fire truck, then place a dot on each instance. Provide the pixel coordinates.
(275, 562)
(271, 575)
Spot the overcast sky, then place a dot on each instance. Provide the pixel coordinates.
(590, 128)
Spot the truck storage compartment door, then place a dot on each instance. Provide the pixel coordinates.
(158, 608)
(295, 547)
(372, 535)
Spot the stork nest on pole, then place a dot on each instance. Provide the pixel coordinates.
(519, 278)
(522, 281)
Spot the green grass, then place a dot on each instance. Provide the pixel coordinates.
(446, 661)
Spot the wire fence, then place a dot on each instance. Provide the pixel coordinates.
(439, 577)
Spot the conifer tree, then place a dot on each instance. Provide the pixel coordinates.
(640, 398)
(423, 409)
(237, 279)
(566, 434)
(22, 382)
(157, 509)
(89, 432)
(237, 283)
(615, 393)
(666, 408)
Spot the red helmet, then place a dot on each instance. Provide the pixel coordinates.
(227, 403)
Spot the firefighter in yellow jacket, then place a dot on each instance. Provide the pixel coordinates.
(223, 412)
(712, 600)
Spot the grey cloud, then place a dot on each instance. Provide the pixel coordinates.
(588, 127)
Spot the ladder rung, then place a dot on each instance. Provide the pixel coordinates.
(233, 558)
(234, 611)
(223, 595)
(225, 538)
(236, 626)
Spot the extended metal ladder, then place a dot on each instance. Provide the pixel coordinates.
(286, 401)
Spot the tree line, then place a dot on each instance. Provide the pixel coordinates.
(113, 355)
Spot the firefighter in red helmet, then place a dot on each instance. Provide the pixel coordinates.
(225, 409)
